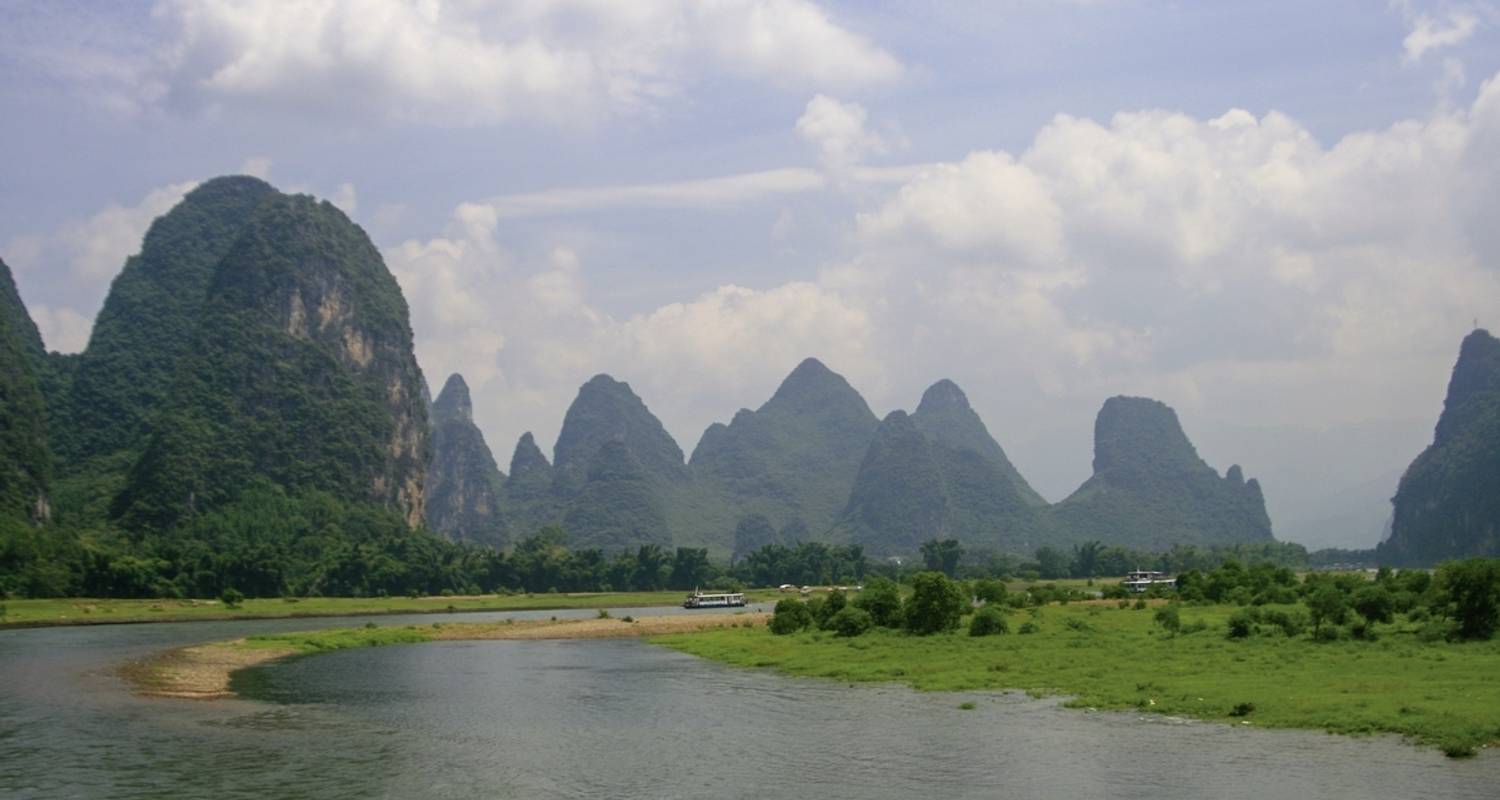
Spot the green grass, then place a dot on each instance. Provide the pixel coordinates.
(1436, 693)
(307, 642)
(78, 611)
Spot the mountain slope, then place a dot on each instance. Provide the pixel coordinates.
(1448, 502)
(463, 483)
(300, 373)
(1151, 490)
(937, 474)
(25, 461)
(149, 318)
(795, 457)
(606, 410)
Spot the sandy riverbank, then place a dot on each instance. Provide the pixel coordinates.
(204, 671)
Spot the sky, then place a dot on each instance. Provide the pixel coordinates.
(1276, 217)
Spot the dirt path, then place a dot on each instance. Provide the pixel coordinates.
(204, 671)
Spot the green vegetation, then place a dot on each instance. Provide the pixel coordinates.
(1436, 693)
(1399, 668)
(25, 463)
(1447, 505)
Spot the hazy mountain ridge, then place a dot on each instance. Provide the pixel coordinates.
(1448, 502)
(25, 459)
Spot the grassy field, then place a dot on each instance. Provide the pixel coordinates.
(76, 611)
(1435, 693)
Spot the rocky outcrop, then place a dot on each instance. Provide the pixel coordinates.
(1448, 503)
(464, 485)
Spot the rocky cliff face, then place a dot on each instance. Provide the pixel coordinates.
(300, 373)
(1151, 490)
(25, 461)
(149, 320)
(1448, 503)
(464, 485)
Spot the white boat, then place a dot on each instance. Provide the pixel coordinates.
(1141, 580)
(723, 600)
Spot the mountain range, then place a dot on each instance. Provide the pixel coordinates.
(258, 343)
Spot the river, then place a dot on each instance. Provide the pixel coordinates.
(620, 719)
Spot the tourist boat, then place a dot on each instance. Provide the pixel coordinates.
(724, 600)
(1141, 580)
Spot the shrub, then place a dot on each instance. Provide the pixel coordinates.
(1241, 625)
(1375, 604)
(1242, 709)
(935, 605)
(1140, 603)
(988, 621)
(790, 616)
(850, 621)
(1328, 634)
(1291, 623)
(1169, 618)
(446, 593)
(1327, 603)
(881, 599)
(830, 608)
(1363, 630)
(231, 597)
(603, 614)
(1029, 627)
(1471, 591)
(990, 591)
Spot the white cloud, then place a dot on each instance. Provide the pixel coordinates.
(478, 63)
(706, 193)
(62, 329)
(837, 130)
(1429, 33)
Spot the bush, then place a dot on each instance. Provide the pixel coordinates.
(790, 616)
(990, 591)
(603, 614)
(1328, 634)
(850, 621)
(1241, 625)
(829, 609)
(1169, 618)
(881, 599)
(1375, 604)
(1327, 603)
(935, 605)
(1471, 591)
(1029, 627)
(1291, 623)
(988, 621)
(231, 597)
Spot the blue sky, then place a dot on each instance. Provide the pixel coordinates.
(1276, 217)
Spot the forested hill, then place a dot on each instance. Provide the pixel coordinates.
(149, 322)
(300, 371)
(25, 463)
(1150, 489)
(938, 474)
(793, 459)
(1448, 502)
(464, 484)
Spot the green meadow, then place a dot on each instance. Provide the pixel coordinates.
(1102, 656)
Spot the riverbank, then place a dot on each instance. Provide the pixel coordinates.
(80, 611)
(1434, 693)
(206, 671)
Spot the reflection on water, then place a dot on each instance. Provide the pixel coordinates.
(621, 719)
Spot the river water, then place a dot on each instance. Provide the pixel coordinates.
(621, 719)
